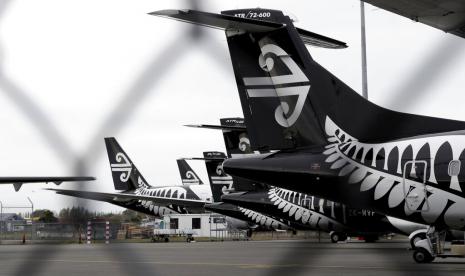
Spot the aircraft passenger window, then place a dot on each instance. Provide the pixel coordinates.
(454, 167)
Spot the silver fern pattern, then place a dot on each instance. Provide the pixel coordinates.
(293, 204)
(262, 220)
(167, 192)
(378, 168)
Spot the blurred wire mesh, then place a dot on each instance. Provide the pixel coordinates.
(154, 77)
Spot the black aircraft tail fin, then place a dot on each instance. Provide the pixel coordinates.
(220, 182)
(276, 77)
(188, 175)
(288, 99)
(236, 139)
(125, 174)
(269, 60)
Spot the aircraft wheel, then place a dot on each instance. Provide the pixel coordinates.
(335, 237)
(416, 238)
(421, 256)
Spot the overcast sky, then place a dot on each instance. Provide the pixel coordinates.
(71, 67)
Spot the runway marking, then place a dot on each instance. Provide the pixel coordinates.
(264, 266)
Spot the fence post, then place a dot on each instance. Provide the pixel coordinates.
(89, 232)
(107, 232)
(80, 234)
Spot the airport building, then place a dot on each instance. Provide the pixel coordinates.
(197, 225)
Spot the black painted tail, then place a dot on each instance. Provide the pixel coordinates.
(220, 182)
(125, 174)
(236, 139)
(188, 175)
(288, 98)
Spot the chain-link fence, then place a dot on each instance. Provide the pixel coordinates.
(406, 94)
(18, 231)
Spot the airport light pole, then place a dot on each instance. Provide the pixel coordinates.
(364, 52)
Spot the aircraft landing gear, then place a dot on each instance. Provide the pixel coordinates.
(426, 250)
(421, 255)
(416, 237)
(337, 236)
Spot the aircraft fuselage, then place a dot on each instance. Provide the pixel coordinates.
(419, 179)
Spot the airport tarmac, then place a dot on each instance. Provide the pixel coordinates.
(220, 258)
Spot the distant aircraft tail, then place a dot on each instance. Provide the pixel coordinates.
(220, 182)
(188, 175)
(125, 175)
(236, 139)
(288, 99)
(237, 144)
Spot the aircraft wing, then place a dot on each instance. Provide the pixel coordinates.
(19, 181)
(123, 197)
(446, 15)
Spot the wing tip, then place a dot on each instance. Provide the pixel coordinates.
(167, 12)
(193, 125)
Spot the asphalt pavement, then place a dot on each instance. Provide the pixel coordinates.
(220, 258)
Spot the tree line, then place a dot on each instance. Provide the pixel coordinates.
(80, 216)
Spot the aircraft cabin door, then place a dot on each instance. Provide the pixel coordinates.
(414, 185)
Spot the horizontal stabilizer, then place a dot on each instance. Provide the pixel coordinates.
(210, 156)
(204, 158)
(219, 21)
(317, 40)
(241, 24)
(122, 197)
(218, 127)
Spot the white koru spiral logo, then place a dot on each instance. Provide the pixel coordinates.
(123, 165)
(225, 190)
(219, 169)
(191, 175)
(266, 62)
(191, 178)
(244, 144)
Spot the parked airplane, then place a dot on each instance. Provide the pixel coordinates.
(222, 183)
(158, 201)
(236, 218)
(301, 211)
(138, 195)
(332, 142)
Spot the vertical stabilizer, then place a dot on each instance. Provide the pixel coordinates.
(125, 174)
